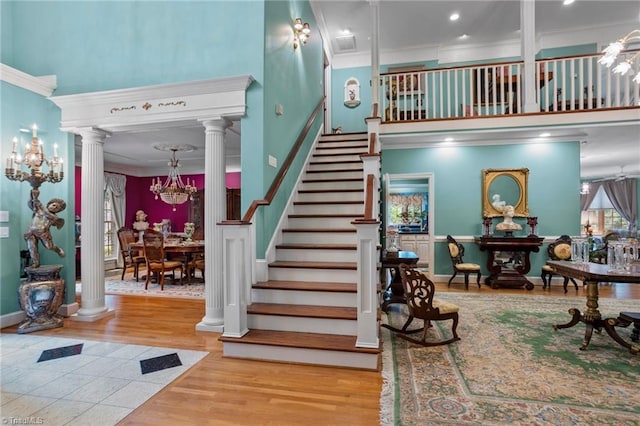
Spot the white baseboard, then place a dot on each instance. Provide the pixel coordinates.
(12, 318)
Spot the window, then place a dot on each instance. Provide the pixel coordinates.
(604, 220)
(109, 227)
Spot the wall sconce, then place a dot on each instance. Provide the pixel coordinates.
(584, 188)
(301, 33)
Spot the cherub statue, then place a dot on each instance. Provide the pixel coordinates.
(41, 221)
(497, 203)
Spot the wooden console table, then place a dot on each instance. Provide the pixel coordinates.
(394, 293)
(508, 260)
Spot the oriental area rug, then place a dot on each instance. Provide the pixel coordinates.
(133, 288)
(511, 367)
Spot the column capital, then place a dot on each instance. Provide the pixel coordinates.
(216, 123)
(92, 134)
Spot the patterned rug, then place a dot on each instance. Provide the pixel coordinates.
(511, 367)
(133, 288)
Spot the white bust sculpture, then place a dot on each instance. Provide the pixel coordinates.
(508, 224)
(141, 223)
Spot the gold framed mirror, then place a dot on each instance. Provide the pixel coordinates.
(505, 186)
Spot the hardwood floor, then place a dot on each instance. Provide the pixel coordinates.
(243, 392)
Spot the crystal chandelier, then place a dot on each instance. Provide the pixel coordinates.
(173, 191)
(33, 158)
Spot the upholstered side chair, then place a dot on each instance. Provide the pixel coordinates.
(560, 249)
(156, 259)
(130, 257)
(456, 252)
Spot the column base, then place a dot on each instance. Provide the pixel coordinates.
(109, 313)
(201, 326)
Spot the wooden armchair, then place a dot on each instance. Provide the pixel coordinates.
(560, 249)
(130, 257)
(456, 251)
(419, 293)
(156, 259)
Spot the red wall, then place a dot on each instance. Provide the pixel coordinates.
(140, 198)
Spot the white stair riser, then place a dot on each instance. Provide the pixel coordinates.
(345, 142)
(354, 209)
(318, 237)
(335, 166)
(320, 154)
(331, 196)
(355, 174)
(321, 222)
(335, 158)
(348, 300)
(302, 324)
(312, 275)
(301, 355)
(333, 185)
(313, 255)
(342, 138)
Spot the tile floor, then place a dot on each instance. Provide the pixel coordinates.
(63, 381)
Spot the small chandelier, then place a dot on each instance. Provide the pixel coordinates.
(173, 191)
(611, 52)
(301, 33)
(34, 159)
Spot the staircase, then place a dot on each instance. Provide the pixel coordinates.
(306, 313)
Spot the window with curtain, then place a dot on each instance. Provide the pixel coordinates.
(109, 227)
(602, 216)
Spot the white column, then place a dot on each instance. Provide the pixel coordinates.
(375, 51)
(92, 304)
(215, 211)
(368, 298)
(528, 52)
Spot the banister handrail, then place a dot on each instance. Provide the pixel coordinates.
(368, 201)
(372, 143)
(275, 185)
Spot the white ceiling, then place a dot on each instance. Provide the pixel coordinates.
(422, 26)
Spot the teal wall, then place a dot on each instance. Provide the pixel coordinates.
(20, 108)
(457, 173)
(106, 45)
(350, 119)
(293, 78)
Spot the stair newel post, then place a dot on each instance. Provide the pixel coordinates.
(367, 234)
(236, 276)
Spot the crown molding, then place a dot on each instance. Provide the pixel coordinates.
(41, 85)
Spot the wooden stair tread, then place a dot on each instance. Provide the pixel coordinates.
(330, 191)
(331, 180)
(319, 230)
(355, 169)
(363, 146)
(326, 216)
(334, 342)
(317, 246)
(309, 286)
(322, 203)
(303, 311)
(313, 265)
(306, 286)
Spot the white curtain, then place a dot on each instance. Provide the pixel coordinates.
(117, 185)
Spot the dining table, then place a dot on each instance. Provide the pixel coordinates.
(592, 274)
(188, 249)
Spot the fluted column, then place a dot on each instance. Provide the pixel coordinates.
(215, 209)
(92, 304)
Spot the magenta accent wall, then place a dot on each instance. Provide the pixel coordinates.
(140, 198)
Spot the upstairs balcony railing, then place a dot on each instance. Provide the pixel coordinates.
(574, 83)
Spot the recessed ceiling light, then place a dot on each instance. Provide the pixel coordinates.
(545, 135)
(568, 2)
(449, 139)
(464, 36)
(454, 16)
(346, 31)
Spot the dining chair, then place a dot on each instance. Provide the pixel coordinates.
(456, 251)
(419, 294)
(156, 260)
(560, 249)
(130, 257)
